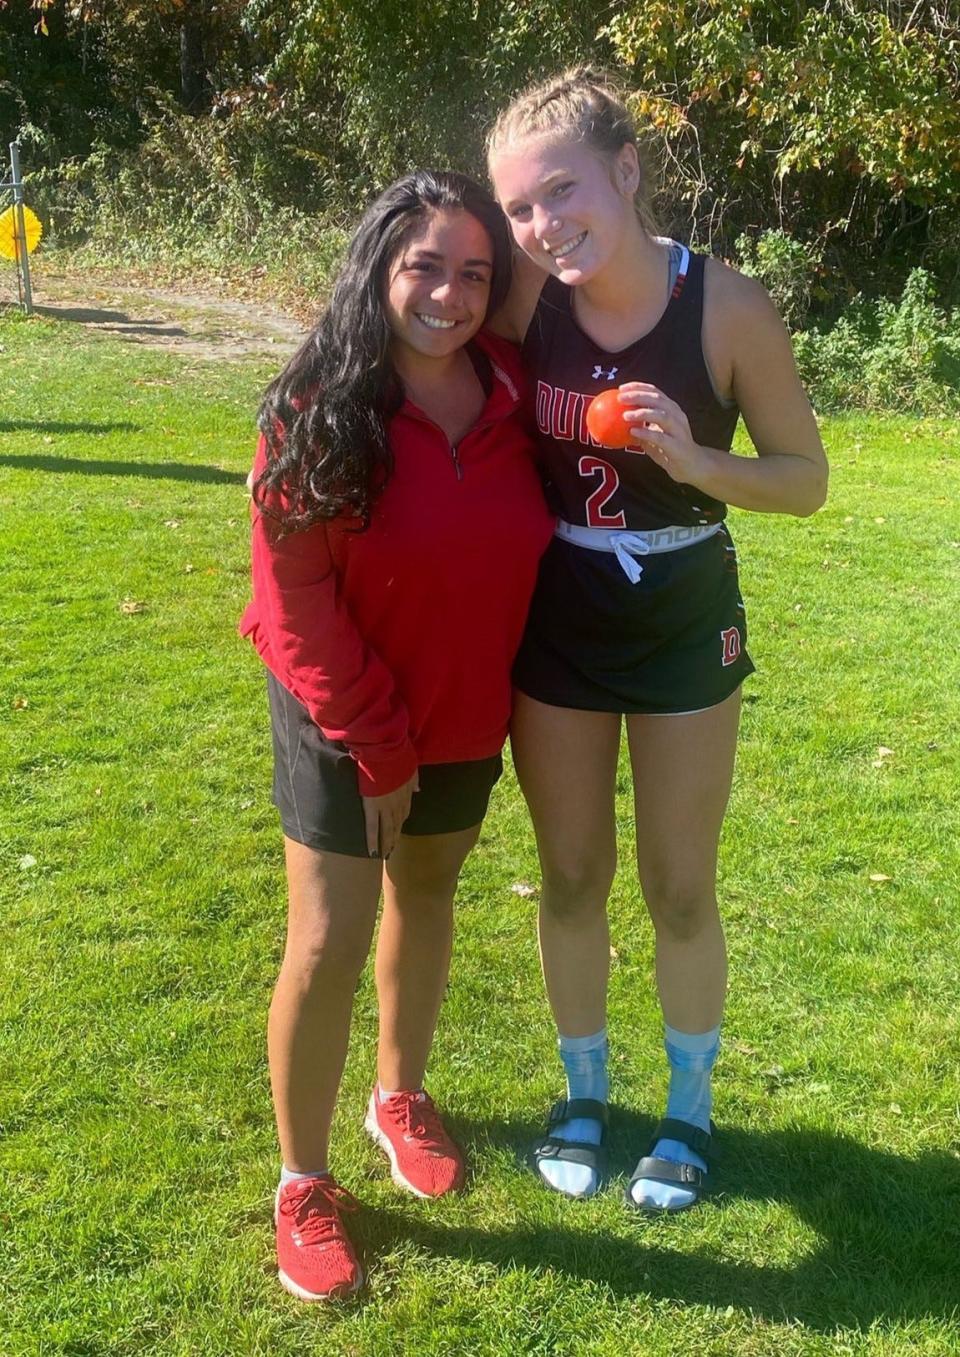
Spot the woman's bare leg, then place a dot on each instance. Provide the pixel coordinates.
(332, 909)
(566, 761)
(413, 950)
(682, 771)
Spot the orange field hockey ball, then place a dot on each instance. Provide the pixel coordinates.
(605, 420)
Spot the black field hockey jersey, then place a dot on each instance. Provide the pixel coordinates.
(613, 488)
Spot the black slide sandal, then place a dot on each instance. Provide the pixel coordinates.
(657, 1170)
(574, 1151)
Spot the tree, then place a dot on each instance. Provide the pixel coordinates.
(839, 120)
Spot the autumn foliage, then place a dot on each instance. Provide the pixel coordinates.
(836, 125)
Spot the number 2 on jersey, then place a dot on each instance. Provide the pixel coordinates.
(609, 483)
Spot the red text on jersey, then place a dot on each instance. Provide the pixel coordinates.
(730, 637)
(609, 483)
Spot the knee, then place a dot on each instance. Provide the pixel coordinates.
(576, 890)
(680, 910)
(427, 888)
(326, 956)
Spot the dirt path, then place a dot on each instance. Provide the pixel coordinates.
(198, 324)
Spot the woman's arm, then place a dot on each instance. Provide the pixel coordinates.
(300, 625)
(513, 319)
(749, 351)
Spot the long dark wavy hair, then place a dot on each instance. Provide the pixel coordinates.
(324, 418)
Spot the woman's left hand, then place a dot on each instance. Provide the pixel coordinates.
(663, 432)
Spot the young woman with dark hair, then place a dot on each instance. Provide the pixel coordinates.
(398, 523)
(637, 616)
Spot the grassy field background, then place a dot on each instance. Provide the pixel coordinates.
(142, 904)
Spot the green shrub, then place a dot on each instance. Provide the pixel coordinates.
(883, 355)
(204, 192)
(785, 266)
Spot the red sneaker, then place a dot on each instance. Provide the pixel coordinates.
(423, 1158)
(315, 1258)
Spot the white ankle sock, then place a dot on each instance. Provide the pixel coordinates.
(384, 1095)
(291, 1175)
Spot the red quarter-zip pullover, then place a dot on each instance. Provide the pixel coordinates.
(399, 640)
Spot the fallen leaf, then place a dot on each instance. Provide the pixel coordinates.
(189, 569)
(896, 1109)
(27, 861)
(879, 876)
(132, 605)
(21, 703)
(522, 889)
(879, 520)
(171, 522)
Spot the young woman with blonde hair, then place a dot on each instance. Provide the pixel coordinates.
(637, 615)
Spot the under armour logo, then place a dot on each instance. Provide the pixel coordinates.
(599, 372)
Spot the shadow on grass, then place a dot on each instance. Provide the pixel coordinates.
(116, 321)
(888, 1230)
(164, 471)
(58, 426)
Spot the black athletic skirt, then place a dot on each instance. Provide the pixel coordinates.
(676, 641)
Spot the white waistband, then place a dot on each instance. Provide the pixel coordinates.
(627, 545)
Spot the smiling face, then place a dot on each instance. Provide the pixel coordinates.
(569, 208)
(438, 287)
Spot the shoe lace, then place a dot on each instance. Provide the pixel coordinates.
(419, 1118)
(315, 1207)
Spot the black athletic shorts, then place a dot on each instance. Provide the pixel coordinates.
(315, 785)
(676, 641)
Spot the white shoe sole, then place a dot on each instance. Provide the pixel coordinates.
(372, 1127)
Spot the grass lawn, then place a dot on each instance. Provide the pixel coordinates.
(142, 910)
